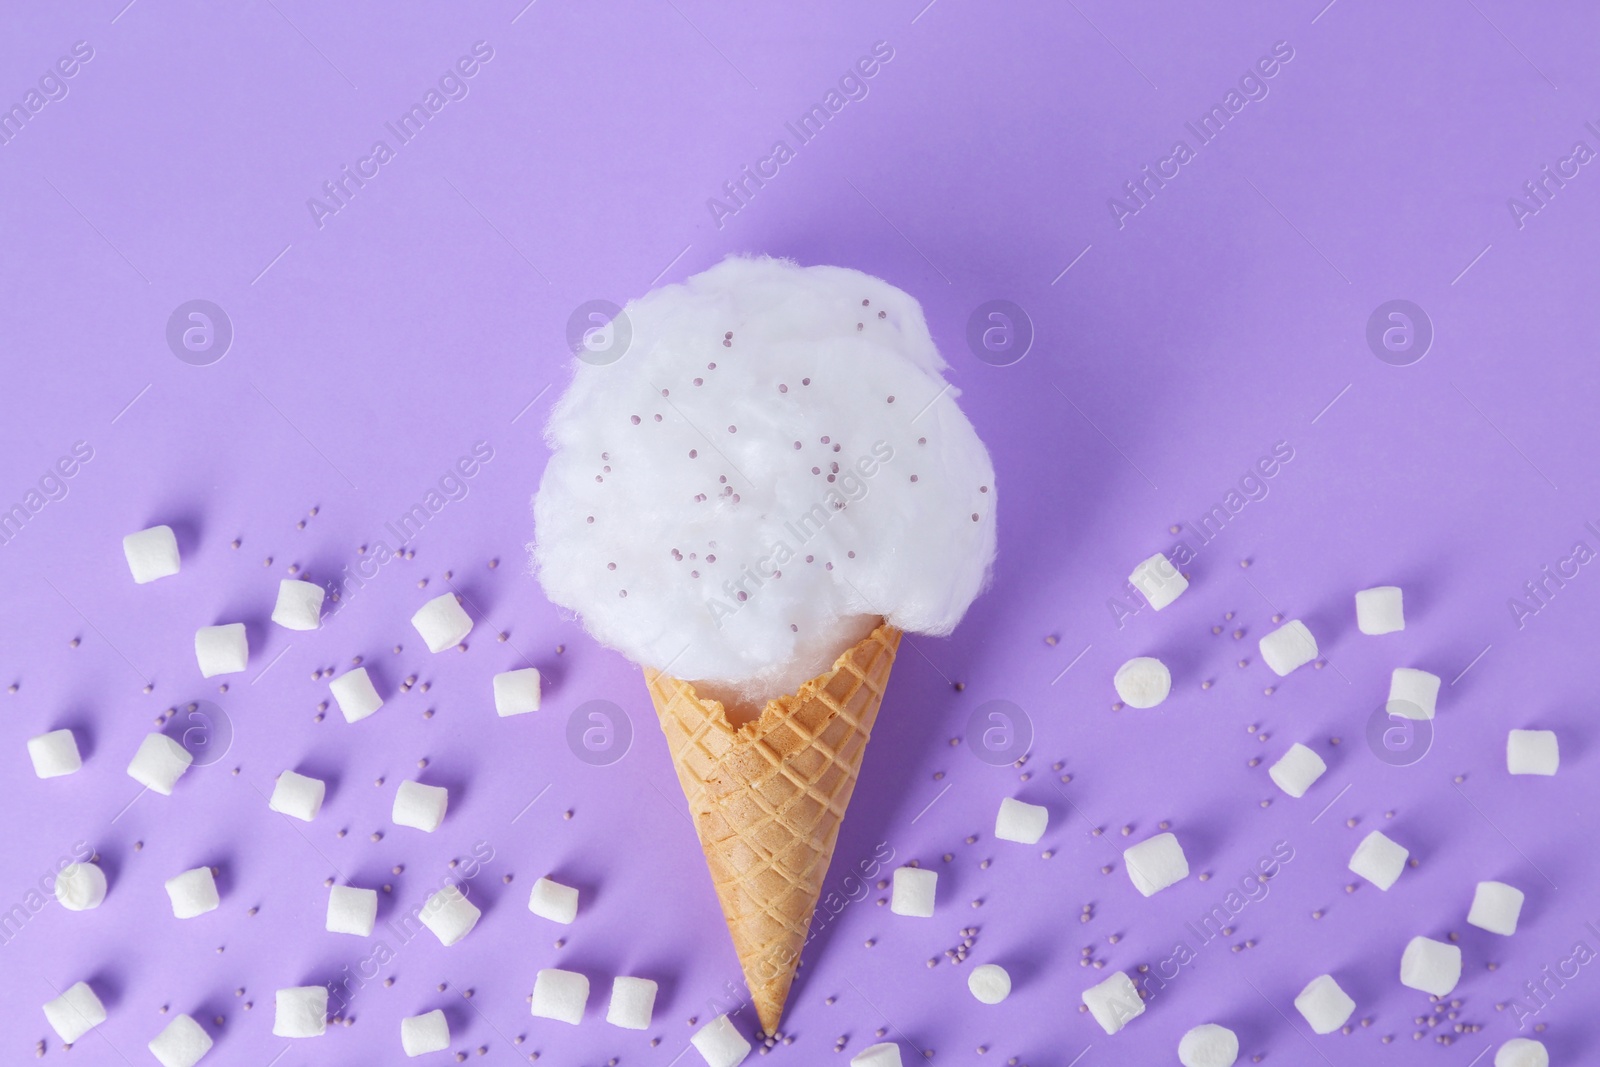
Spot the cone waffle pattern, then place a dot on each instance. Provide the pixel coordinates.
(767, 800)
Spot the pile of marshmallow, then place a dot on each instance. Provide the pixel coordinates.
(302, 1011)
(1431, 966)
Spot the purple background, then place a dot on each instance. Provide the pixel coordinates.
(429, 313)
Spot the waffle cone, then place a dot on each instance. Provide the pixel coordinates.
(767, 799)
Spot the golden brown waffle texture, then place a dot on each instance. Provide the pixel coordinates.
(768, 797)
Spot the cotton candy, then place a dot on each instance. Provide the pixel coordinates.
(774, 462)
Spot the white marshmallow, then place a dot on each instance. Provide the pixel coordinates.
(297, 796)
(193, 893)
(299, 605)
(301, 1011)
(1114, 1002)
(54, 754)
(221, 649)
(352, 910)
(1380, 610)
(553, 901)
(1289, 646)
(883, 1054)
(1379, 860)
(1325, 1006)
(1155, 863)
(560, 995)
(442, 622)
(1431, 966)
(1413, 694)
(1158, 581)
(450, 915)
(151, 553)
(633, 1002)
(1143, 682)
(913, 892)
(1297, 769)
(356, 694)
(159, 763)
(720, 1044)
(516, 692)
(75, 1012)
(181, 1044)
(1532, 752)
(1522, 1052)
(1496, 908)
(420, 806)
(80, 886)
(425, 1033)
(1209, 1045)
(1021, 822)
(990, 983)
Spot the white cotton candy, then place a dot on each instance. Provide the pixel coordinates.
(804, 383)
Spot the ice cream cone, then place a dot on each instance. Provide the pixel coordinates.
(767, 799)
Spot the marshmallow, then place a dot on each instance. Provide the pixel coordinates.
(913, 892)
(1297, 769)
(1158, 581)
(553, 901)
(1522, 1052)
(352, 910)
(181, 1044)
(1289, 646)
(1496, 907)
(299, 605)
(560, 995)
(425, 1033)
(1143, 682)
(990, 983)
(420, 806)
(298, 796)
(516, 692)
(80, 886)
(633, 1002)
(1431, 966)
(1155, 863)
(1532, 752)
(1413, 694)
(1324, 1005)
(1379, 610)
(1379, 860)
(193, 893)
(54, 754)
(1114, 1002)
(75, 1012)
(356, 694)
(720, 1044)
(221, 649)
(1208, 1045)
(450, 915)
(151, 553)
(883, 1054)
(1020, 822)
(302, 1011)
(159, 763)
(442, 623)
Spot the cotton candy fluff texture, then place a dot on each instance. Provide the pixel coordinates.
(693, 454)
